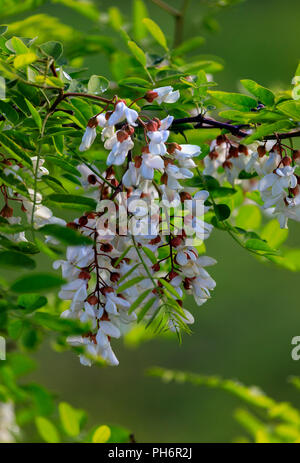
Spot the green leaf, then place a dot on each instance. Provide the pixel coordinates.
(65, 235)
(130, 283)
(139, 300)
(8, 111)
(234, 100)
(35, 115)
(268, 129)
(273, 234)
(16, 260)
(263, 94)
(135, 82)
(47, 430)
(115, 18)
(70, 418)
(150, 254)
(18, 45)
(145, 309)
(73, 199)
(291, 109)
(36, 282)
(156, 32)
(25, 59)
(31, 302)
(15, 328)
(259, 245)
(97, 85)
(222, 211)
(64, 165)
(52, 49)
(249, 217)
(138, 53)
(101, 435)
(139, 13)
(169, 287)
(222, 192)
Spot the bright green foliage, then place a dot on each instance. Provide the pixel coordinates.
(267, 421)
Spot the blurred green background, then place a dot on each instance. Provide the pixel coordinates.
(245, 330)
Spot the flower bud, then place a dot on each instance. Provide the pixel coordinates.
(233, 152)
(296, 156)
(155, 240)
(261, 151)
(156, 267)
(129, 129)
(184, 196)
(221, 139)
(92, 123)
(164, 178)
(150, 96)
(84, 275)
(213, 155)
(286, 161)
(175, 242)
(92, 299)
(92, 179)
(173, 274)
(227, 164)
(243, 149)
(73, 225)
(122, 135)
(295, 191)
(172, 147)
(138, 161)
(115, 276)
(7, 211)
(106, 290)
(152, 126)
(83, 221)
(106, 247)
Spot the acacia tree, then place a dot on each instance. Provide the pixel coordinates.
(95, 171)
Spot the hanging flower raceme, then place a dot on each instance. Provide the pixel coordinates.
(139, 264)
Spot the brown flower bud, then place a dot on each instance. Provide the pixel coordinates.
(150, 96)
(156, 267)
(213, 155)
(227, 164)
(138, 161)
(233, 152)
(221, 139)
(175, 242)
(106, 290)
(155, 240)
(92, 299)
(173, 274)
(184, 196)
(172, 147)
(115, 276)
(152, 126)
(7, 211)
(164, 178)
(92, 179)
(73, 225)
(83, 221)
(261, 151)
(243, 149)
(92, 123)
(84, 275)
(295, 191)
(122, 135)
(129, 129)
(106, 247)
(286, 161)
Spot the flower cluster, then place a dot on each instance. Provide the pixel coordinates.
(271, 169)
(124, 276)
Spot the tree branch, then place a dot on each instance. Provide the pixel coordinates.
(199, 120)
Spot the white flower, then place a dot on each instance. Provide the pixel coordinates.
(131, 176)
(77, 257)
(41, 170)
(88, 138)
(159, 137)
(149, 163)
(165, 95)
(119, 152)
(122, 112)
(177, 173)
(272, 186)
(114, 302)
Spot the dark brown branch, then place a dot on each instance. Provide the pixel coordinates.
(236, 130)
